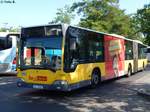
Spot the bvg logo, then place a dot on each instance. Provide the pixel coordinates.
(37, 78)
(33, 78)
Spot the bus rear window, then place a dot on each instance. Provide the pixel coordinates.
(5, 43)
(42, 31)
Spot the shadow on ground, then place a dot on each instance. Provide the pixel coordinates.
(109, 97)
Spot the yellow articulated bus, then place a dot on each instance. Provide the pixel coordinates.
(63, 57)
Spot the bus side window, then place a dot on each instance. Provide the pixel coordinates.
(9, 43)
(128, 50)
(1, 44)
(96, 48)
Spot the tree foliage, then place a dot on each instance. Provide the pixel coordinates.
(143, 22)
(134, 32)
(63, 15)
(106, 16)
(103, 15)
(11, 29)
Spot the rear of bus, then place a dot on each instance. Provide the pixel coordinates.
(8, 43)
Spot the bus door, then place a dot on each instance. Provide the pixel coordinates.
(135, 56)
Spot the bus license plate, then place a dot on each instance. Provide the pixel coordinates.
(38, 86)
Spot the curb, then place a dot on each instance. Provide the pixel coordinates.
(8, 74)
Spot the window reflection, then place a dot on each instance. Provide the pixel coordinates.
(89, 47)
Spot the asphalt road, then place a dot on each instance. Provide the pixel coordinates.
(119, 95)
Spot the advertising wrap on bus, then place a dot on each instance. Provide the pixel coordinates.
(114, 56)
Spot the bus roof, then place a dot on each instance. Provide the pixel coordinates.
(4, 34)
(41, 25)
(114, 35)
(139, 42)
(66, 25)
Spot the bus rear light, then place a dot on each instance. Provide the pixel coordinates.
(14, 61)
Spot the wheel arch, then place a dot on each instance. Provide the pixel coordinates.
(98, 70)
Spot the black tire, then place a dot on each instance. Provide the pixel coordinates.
(129, 71)
(95, 78)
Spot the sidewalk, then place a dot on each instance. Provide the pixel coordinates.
(143, 84)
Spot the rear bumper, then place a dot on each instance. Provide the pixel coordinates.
(68, 87)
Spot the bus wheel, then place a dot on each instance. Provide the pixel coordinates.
(129, 71)
(95, 78)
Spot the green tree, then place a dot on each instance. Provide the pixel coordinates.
(63, 15)
(3, 29)
(15, 29)
(104, 16)
(143, 22)
(11, 29)
(134, 32)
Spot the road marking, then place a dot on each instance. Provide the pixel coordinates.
(5, 83)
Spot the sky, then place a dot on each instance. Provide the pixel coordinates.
(37, 12)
